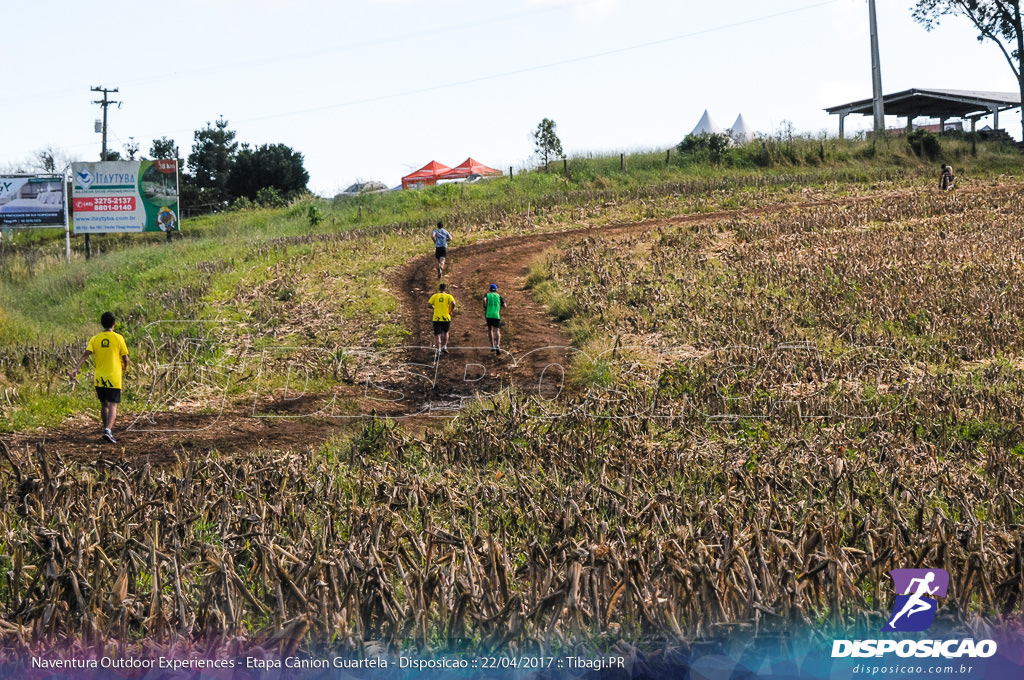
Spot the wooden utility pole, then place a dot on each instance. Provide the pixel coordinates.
(103, 154)
(104, 103)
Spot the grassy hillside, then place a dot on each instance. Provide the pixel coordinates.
(770, 411)
(278, 276)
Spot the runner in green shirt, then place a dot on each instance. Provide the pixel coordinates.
(493, 303)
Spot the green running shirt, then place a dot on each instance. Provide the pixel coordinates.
(493, 309)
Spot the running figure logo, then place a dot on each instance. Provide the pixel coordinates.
(914, 609)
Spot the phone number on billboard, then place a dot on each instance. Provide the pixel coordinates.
(105, 204)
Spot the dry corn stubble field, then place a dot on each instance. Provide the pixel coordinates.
(621, 514)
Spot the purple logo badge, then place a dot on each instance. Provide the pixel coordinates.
(914, 609)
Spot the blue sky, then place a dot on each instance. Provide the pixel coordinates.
(377, 88)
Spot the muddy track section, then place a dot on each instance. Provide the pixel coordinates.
(506, 262)
(534, 345)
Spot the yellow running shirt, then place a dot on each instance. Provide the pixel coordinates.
(108, 347)
(443, 303)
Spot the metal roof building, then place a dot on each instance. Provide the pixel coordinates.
(941, 104)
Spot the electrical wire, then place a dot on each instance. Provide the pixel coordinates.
(539, 67)
(494, 76)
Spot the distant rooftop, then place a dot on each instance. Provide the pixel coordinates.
(935, 103)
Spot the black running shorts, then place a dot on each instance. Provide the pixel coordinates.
(109, 394)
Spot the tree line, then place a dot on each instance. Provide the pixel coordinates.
(220, 172)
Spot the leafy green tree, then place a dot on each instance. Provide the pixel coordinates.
(315, 215)
(269, 198)
(131, 148)
(163, 148)
(704, 148)
(546, 143)
(213, 155)
(997, 21)
(924, 144)
(189, 194)
(269, 166)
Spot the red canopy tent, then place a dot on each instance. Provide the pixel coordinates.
(427, 175)
(468, 168)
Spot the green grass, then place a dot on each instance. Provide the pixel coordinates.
(279, 276)
(659, 497)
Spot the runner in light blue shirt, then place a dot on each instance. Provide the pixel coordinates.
(441, 238)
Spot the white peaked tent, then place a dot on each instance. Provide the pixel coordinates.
(707, 126)
(741, 132)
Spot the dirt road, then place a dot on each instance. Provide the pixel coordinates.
(535, 348)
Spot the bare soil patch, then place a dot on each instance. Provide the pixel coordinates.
(534, 345)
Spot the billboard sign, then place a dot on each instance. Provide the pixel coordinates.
(125, 196)
(32, 201)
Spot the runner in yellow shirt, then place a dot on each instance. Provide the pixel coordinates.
(111, 354)
(444, 306)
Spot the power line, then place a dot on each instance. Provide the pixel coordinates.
(520, 71)
(279, 59)
(540, 67)
(368, 43)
